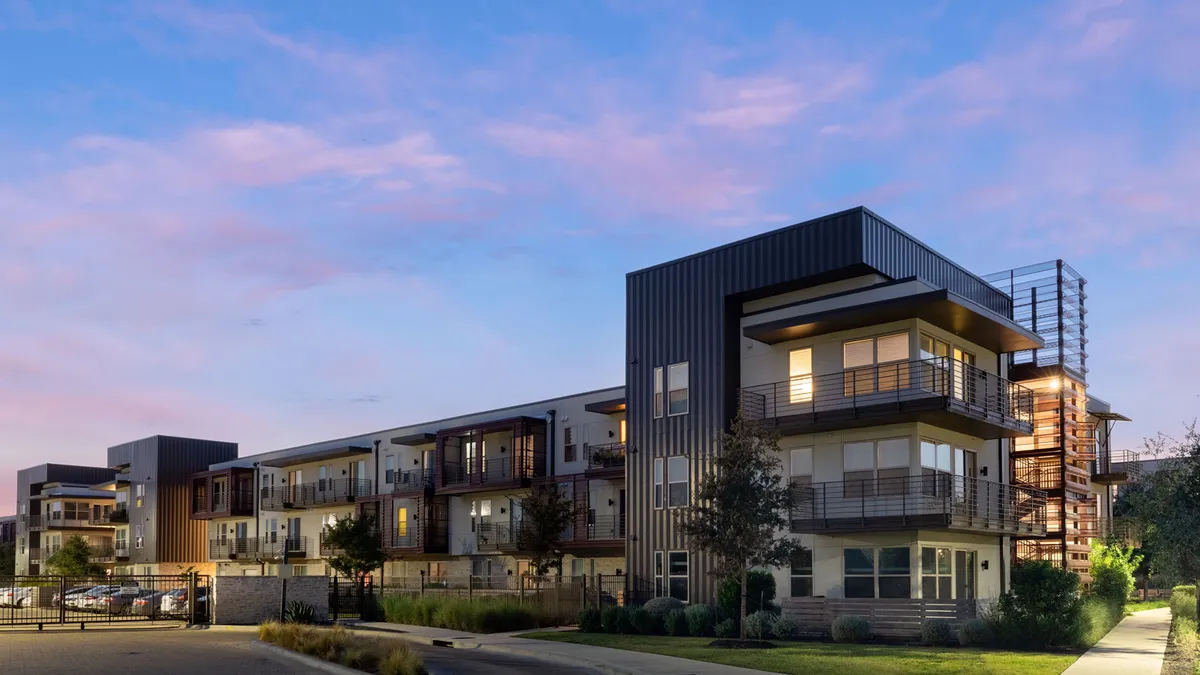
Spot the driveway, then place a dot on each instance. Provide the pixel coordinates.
(205, 652)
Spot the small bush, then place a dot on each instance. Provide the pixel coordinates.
(625, 622)
(937, 632)
(299, 612)
(727, 628)
(975, 633)
(758, 625)
(1183, 602)
(1112, 571)
(661, 606)
(1184, 638)
(480, 615)
(850, 629)
(1041, 610)
(760, 596)
(610, 618)
(786, 627)
(644, 622)
(675, 623)
(337, 645)
(1098, 616)
(401, 661)
(589, 621)
(701, 620)
(359, 658)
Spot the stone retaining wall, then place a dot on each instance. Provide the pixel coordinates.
(252, 600)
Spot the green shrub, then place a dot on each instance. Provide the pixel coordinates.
(644, 622)
(661, 606)
(401, 661)
(701, 620)
(1112, 571)
(976, 633)
(337, 645)
(850, 629)
(726, 628)
(589, 620)
(1184, 638)
(760, 597)
(479, 615)
(299, 612)
(675, 623)
(786, 627)
(758, 625)
(937, 632)
(1041, 610)
(625, 622)
(610, 617)
(1183, 602)
(1098, 616)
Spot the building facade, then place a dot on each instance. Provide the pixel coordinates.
(8, 530)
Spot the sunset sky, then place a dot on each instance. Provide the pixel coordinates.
(278, 223)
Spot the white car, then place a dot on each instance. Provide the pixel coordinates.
(15, 596)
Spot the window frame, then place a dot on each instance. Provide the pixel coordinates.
(800, 386)
(686, 388)
(389, 469)
(802, 575)
(659, 479)
(569, 448)
(659, 585)
(877, 575)
(686, 482)
(660, 379)
(937, 575)
(686, 576)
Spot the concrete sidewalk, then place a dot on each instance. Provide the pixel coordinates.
(600, 659)
(1135, 647)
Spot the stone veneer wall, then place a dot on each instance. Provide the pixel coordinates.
(252, 600)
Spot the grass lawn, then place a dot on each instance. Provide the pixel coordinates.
(1142, 605)
(817, 658)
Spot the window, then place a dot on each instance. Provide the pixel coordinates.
(658, 483)
(139, 493)
(800, 466)
(138, 539)
(935, 573)
(677, 389)
(892, 578)
(272, 527)
(578, 568)
(437, 570)
(800, 380)
(858, 469)
(658, 392)
(893, 462)
(802, 574)
(21, 545)
(677, 481)
(402, 521)
(299, 570)
(568, 444)
(658, 574)
(875, 364)
(389, 469)
(964, 575)
(677, 575)
(622, 431)
(936, 468)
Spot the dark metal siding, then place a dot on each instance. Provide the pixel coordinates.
(690, 309)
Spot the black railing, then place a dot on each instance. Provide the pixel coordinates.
(326, 491)
(933, 501)
(232, 547)
(1119, 461)
(610, 456)
(416, 479)
(273, 548)
(102, 553)
(114, 516)
(497, 536)
(34, 522)
(121, 549)
(962, 387)
(606, 527)
(480, 473)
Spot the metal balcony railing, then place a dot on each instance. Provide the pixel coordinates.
(610, 456)
(113, 516)
(416, 479)
(939, 501)
(1119, 461)
(604, 528)
(232, 547)
(888, 387)
(489, 471)
(121, 549)
(102, 553)
(497, 536)
(273, 548)
(34, 522)
(327, 491)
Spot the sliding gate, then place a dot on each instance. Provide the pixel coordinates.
(68, 600)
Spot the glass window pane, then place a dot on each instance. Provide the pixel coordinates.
(943, 562)
(893, 452)
(858, 354)
(892, 348)
(943, 457)
(895, 587)
(677, 494)
(858, 456)
(928, 561)
(679, 588)
(800, 362)
(860, 587)
(894, 560)
(928, 454)
(677, 469)
(802, 587)
(677, 376)
(860, 561)
(678, 401)
(677, 562)
(658, 471)
(944, 588)
(929, 588)
(802, 562)
(801, 461)
(658, 563)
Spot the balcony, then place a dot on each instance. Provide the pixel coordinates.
(410, 482)
(606, 459)
(946, 502)
(121, 550)
(1116, 467)
(58, 521)
(233, 548)
(273, 548)
(328, 492)
(497, 536)
(34, 522)
(103, 553)
(941, 391)
(113, 517)
(487, 475)
(607, 528)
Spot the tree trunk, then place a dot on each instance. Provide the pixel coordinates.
(745, 593)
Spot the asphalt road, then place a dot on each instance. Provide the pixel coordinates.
(145, 651)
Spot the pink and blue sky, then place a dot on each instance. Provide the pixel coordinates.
(278, 223)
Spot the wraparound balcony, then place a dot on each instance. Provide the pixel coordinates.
(942, 501)
(941, 391)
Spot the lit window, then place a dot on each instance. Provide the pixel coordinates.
(658, 392)
(800, 379)
(622, 431)
(677, 575)
(677, 482)
(876, 364)
(658, 483)
(677, 393)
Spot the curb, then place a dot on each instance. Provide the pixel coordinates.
(313, 662)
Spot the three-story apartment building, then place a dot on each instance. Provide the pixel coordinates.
(446, 495)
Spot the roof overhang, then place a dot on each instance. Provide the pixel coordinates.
(493, 426)
(1110, 416)
(80, 493)
(608, 407)
(420, 438)
(316, 456)
(894, 301)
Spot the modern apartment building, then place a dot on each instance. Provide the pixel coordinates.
(134, 511)
(8, 529)
(889, 371)
(446, 494)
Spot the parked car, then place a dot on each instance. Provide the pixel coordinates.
(16, 596)
(148, 603)
(71, 595)
(96, 600)
(176, 601)
(122, 601)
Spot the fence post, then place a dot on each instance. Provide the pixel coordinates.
(282, 597)
(585, 597)
(333, 606)
(192, 598)
(470, 587)
(521, 588)
(62, 601)
(422, 584)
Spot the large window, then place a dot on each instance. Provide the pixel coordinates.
(658, 392)
(802, 574)
(800, 466)
(659, 484)
(677, 389)
(800, 375)
(865, 461)
(940, 461)
(876, 364)
(677, 481)
(568, 444)
(936, 581)
(389, 469)
(882, 572)
(677, 575)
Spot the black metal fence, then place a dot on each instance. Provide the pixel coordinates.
(349, 599)
(66, 600)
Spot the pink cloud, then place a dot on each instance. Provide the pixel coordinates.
(775, 100)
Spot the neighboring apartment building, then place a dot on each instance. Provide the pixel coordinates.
(446, 494)
(134, 512)
(886, 368)
(8, 529)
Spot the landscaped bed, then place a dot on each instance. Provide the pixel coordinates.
(337, 645)
(815, 658)
(481, 615)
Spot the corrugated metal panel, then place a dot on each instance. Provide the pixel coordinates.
(689, 310)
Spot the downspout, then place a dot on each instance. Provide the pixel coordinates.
(377, 482)
(262, 566)
(552, 414)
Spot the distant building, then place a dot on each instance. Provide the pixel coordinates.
(8, 529)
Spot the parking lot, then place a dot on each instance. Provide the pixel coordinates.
(39, 601)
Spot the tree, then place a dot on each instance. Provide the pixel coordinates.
(741, 506)
(8, 559)
(547, 515)
(1167, 506)
(73, 559)
(356, 547)
(1112, 570)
